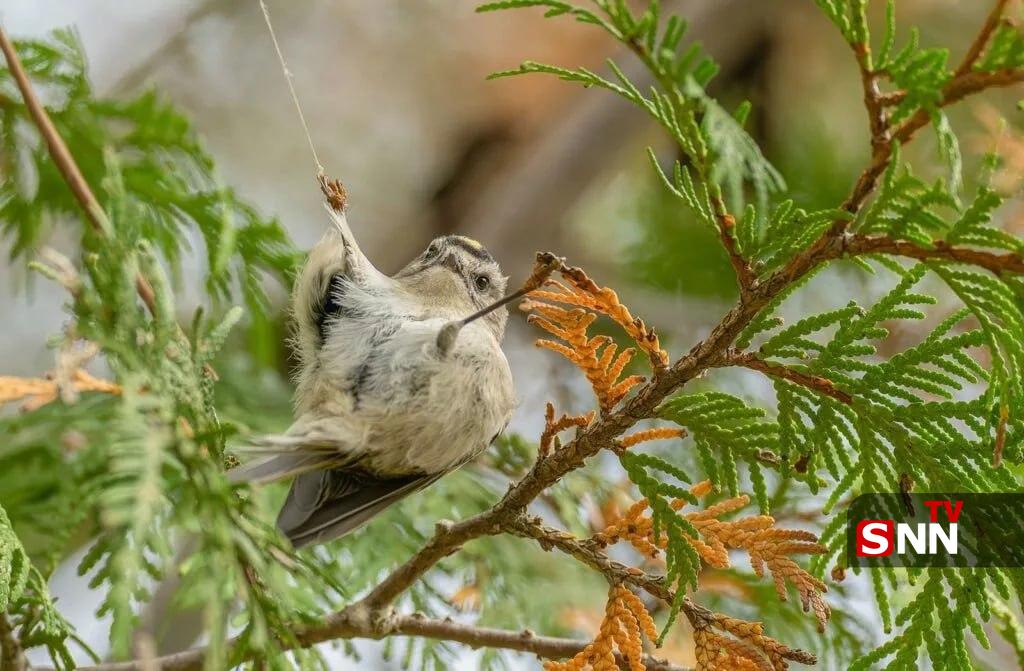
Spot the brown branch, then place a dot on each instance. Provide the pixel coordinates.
(12, 656)
(54, 142)
(965, 82)
(594, 557)
(354, 622)
(997, 263)
(891, 98)
(956, 90)
(984, 35)
(64, 161)
(830, 243)
(822, 385)
(874, 101)
(745, 275)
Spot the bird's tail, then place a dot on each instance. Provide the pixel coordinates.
(330, 496)
(329, 504)
(282, 457)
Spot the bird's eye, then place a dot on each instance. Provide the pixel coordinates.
(482, 282)
(433, 250)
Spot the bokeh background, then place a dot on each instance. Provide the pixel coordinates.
(400, 110)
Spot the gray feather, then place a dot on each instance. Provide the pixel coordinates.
(329, 504)
(284, 466)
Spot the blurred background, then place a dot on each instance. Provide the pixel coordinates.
(400, 110)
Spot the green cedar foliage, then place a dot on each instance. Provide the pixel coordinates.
(146, 468)
(166, 176)
(929, 412)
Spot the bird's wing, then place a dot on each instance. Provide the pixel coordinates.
(279, 457)
(317, 297)
(325, 505)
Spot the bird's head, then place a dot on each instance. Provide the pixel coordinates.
(455, 273)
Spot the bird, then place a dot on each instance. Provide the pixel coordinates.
(385, 404)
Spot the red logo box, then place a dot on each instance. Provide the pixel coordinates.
(875, 538)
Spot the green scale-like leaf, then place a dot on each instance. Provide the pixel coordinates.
(14, 564)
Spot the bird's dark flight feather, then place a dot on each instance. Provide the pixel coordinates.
(331, 305)
(325, 505)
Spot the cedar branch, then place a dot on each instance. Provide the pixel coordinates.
(977, 47)
(817, 383)
(354, 622)
(64, 161)
(960, 87)
(708, 353)
(996, 263)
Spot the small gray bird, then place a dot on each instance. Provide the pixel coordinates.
(383, 409)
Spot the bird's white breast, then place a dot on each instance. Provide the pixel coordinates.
(382, 382)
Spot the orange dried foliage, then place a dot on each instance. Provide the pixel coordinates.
(40, 391)
(598, 357)
(625, 619)
(729, 644)
(583, 292)
(663, 433)
(602, 368)
(767, 545)
(467, 597)
(553, 427)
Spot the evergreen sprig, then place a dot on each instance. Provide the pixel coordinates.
(25, 595)
(718, 150)
(725, 429)
(165, 173)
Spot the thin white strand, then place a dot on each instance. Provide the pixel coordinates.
(291, 87)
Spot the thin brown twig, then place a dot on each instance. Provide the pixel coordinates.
(817, 383)
(891, 98)
(746, 277)
(54, 142)
(594, 557)
(958, 88)
(873, 99)
(64, 161)
(996, 263)
(981, 41)
(965, 82)
(355, 623)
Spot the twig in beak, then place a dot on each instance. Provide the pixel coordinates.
(545, 264)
